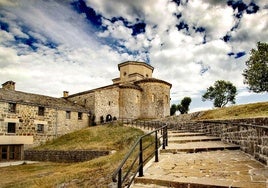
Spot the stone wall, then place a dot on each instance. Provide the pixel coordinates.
(63, 156)
(130, 99)
(107, 102)
(155, 99)
(27, 120)
(251, 134)
(86, 99)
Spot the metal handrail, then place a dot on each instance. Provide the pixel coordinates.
(118, 175)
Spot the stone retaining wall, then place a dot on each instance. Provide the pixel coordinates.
(251, 134)
(63, 156)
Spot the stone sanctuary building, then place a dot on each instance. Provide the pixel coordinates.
(135, 94)
(27, 120)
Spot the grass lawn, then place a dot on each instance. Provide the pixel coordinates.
(237, 112)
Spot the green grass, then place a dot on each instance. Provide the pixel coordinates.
(236, 112)
(94, 173)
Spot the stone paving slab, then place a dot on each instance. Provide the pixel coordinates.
(191, 147)
(180, 134)
(192, 139)
(205, 169)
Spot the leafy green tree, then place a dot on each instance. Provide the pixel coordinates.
(221, 93)
(173, 109)
(184, 106)
(256, 73)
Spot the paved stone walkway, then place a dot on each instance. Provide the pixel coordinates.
(197, 161)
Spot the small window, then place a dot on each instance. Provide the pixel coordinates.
(40, 128)
(68, 115)
(41, 111)
(137, 99)
(11, 127)
(80, 115)
(125, 73)
(12, 108)
(153, 97)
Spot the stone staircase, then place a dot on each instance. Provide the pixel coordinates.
(197, 160)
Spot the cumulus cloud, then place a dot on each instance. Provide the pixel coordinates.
(51, 46)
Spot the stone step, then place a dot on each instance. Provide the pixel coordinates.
(192, 139)
(228, 168)
(193, 147)
(141, 182)
(184, 134)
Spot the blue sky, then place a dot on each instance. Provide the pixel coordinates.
(47, 47)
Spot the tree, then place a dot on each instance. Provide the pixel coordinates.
(173, 109)
(221, 93)
(256, 73)
(184, 106)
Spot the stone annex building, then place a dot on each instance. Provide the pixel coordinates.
(27, 120)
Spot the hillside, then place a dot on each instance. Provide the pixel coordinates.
(233, 112)
(236, 112)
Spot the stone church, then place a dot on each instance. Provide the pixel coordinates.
(135, 94)
(27, 120)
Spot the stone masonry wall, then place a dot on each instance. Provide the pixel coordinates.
(87, 100)
(129, 103)
(107, 102)
(251, 134)
(26, 121)
(63, 156)
(155, 100)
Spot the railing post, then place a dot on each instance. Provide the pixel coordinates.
(156, 147)
(141, 160)
(165, 138)
(166, 133)
(119, 181)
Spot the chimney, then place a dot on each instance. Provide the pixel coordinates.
(65, 94)
(9, 85)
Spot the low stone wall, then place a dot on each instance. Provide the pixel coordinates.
(251, 134)
(62, 156)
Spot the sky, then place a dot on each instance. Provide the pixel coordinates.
(51, 46)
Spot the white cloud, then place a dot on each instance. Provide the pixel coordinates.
(81, 60)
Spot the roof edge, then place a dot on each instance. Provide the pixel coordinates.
(135, 63)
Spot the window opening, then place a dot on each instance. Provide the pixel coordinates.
(68, 115)
(40, 128)
(12, 108)
(80, 115)
(41, 111)
(153, 97)
(11, 128)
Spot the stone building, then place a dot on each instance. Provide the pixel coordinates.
(27, 120)
(134, 94)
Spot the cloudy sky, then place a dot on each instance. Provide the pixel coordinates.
(48, 46)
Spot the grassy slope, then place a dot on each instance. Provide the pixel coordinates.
(94, 173)
(236, 112)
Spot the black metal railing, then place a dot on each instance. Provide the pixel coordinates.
(133, 163)
(144, 124)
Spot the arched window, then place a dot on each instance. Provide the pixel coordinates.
(153, 97)
(137, 99)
